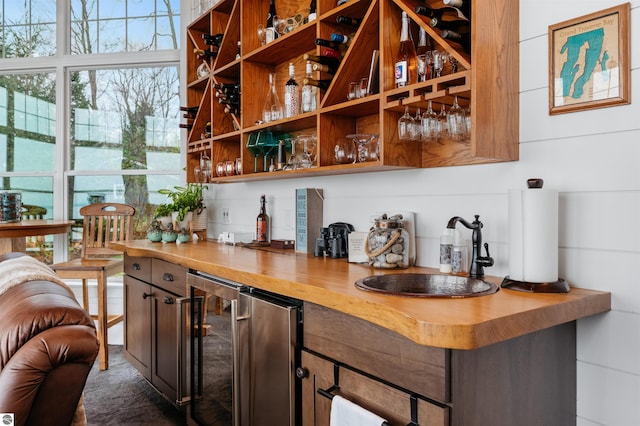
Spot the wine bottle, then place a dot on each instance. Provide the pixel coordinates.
(212, 40)
(312, 11)
(463, 6)
(322, 84)
(187, 126)
(423, 43)
(270, 29)
(205, 54)
(451, 13)
(460, 27)
(345, 20)
(405, 67)
(342, 38)
(226, 87)
(262, 222)
(192, 110)
(309, 102)
(332, 53)
(331, 44)
(464, 40)
(291, 94)
(324, 68)
(324, 60)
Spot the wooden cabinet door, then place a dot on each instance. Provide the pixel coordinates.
(164, 329)
(137, 327)
(388, 402)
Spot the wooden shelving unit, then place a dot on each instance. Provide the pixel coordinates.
(486, 80)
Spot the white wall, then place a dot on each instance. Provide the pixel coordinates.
(592, 158)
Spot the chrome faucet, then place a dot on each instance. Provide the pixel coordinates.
(478, 262)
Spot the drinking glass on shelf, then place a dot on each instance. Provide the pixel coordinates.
(456, 121)
(344, 151)
(362, 87)
(220, 169)
(269, 144)
(416, 129)
(423, 66)
(254, 149)
(353, 90)
(429, 124)
(438, 58)
(279, 24)
(443, 128)
(454, 63)
(405, 125)
(229, 167)
(367, 150)
(262, 35)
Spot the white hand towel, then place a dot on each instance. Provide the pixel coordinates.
(346, 413)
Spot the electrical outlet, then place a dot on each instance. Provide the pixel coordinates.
(226, 217)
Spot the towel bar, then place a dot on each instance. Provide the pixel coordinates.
(328, 393)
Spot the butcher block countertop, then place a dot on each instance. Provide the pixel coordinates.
(467, 323)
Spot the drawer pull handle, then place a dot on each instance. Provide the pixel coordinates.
(136, 267)
(168, 300)
(167, 276)
(145, 295)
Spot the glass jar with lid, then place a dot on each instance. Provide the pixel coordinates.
(387, 244)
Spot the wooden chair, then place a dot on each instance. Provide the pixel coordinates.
(103, 224)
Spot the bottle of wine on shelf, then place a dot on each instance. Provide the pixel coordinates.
(331, 44)
(324, 60)
(312, 11)
(309, 102)
(324, 68)
(345, 20)
(322, 84)
(464, 40)
(262, 222)
(227, 87)
(463, 6)
(205, 54)
(191, 111)
(448, 13)
(406, 64)
(424, 43)
(291, 94)
(331, 53)
(212, 40)
(342, 38)
(461, 27)
(187, 126)
(270, 29)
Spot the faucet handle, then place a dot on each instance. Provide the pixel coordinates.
(485, 260)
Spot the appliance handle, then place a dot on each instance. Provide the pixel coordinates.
(183, 395)
(235, 349)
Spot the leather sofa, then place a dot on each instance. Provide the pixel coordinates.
(48, 344)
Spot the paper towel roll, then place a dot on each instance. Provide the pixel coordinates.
(533, 235)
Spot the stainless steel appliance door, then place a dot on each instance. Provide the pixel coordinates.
(267, 332)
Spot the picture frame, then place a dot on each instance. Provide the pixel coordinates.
(589, 61)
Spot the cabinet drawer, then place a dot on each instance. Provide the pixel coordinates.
(378, 351)
(386, 401)
(138, 267)
(169, 276)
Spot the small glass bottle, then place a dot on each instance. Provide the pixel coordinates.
(459, 254)
(291, 94)
(309, 98)
(446, 247)
(272, 110)
(262, 222)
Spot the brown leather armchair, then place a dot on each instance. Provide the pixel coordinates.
(48, 344)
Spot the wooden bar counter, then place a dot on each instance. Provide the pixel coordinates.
(467, 323)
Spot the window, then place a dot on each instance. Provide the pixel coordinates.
(114, 135)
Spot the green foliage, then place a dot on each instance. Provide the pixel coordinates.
(183, 200)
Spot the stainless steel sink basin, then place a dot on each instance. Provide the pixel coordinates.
(427, 285)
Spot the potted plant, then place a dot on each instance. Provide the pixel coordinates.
(185, 201)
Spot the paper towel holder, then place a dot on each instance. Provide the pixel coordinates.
(559, 286)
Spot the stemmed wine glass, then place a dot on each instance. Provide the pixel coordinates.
(456, 121)
(429, 124)
(269, 145)
(254, 149)
(405, 125)
(423, 66)
(416, 130)
(438, 58)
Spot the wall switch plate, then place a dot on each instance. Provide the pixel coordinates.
(226, 218)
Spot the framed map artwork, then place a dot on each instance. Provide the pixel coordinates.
(589, 61)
